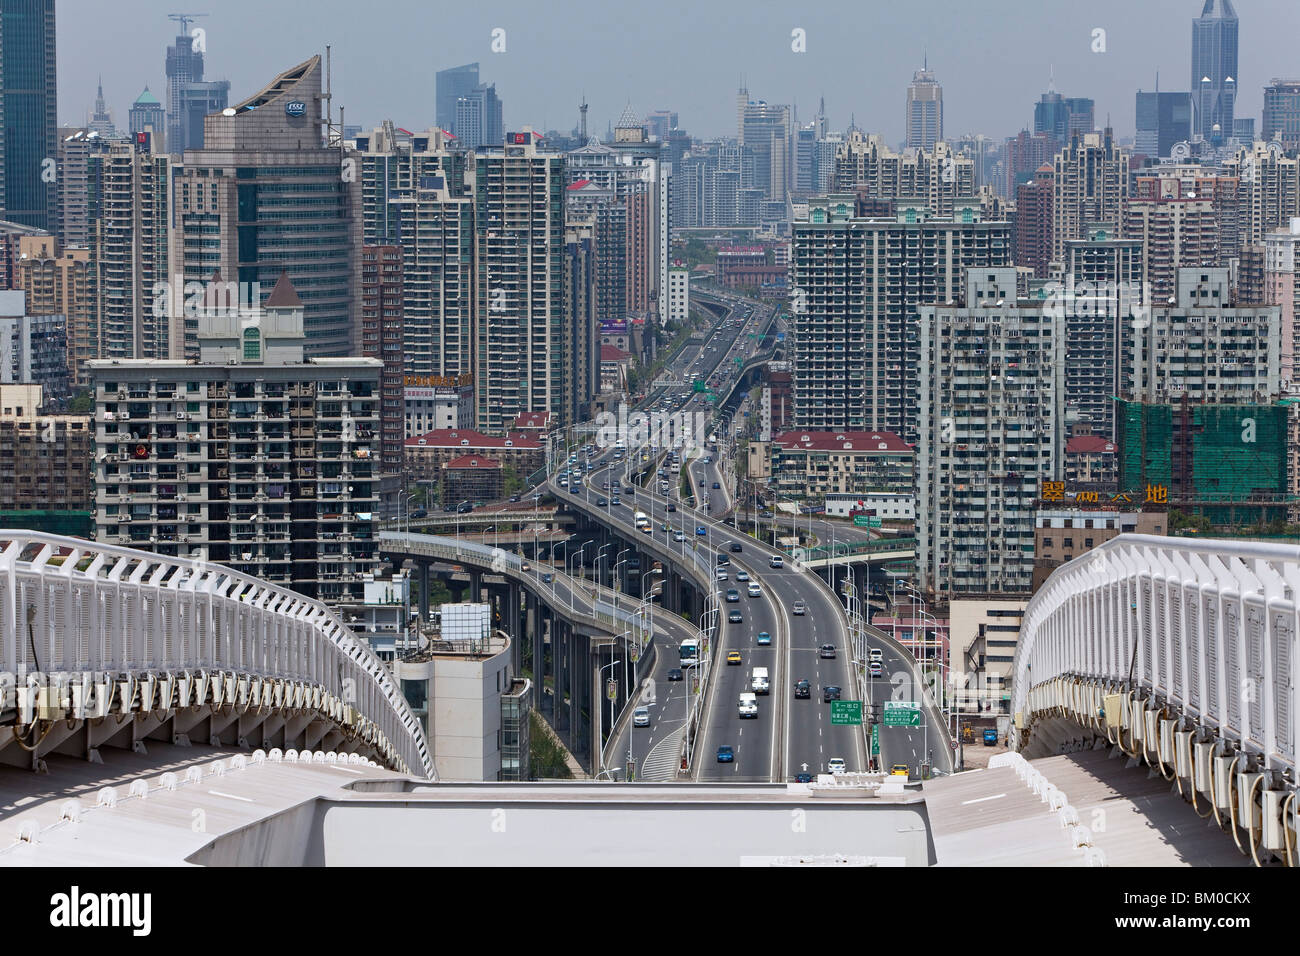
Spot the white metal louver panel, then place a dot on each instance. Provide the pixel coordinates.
(1284, 639)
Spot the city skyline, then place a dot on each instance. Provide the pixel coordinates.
(982, 96)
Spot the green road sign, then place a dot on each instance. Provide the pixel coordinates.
(862, 521)
(875, 740)
(902, 713)
(875, 522)
(846, 712)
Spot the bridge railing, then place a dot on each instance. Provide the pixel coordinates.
(1206, 629)
(69, 605)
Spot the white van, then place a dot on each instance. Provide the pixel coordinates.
(759, 683)
(748, 706)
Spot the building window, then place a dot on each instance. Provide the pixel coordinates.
(252, 345)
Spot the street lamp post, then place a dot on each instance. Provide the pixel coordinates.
(600, 722)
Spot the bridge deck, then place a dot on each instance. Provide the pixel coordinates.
(992, 818)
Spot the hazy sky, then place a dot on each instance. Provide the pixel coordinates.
(992, 56)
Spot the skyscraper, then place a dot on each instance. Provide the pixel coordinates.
(101, 121)
(478, 117)
(924, 110)
(266, 195)
(1214, 68)
(1089, 181)
(147, 113)
(189, 97)
(521, 341)
(1063, 116)
(1281, 119)
(767, 132)
(28, 101)
(1163, 119)
(451, 84)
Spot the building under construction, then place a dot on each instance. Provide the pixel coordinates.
(1226, 462)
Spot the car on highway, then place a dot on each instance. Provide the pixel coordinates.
(419, 513)
(803, 776)
(575, 488)
(629, 490)
(671, 507)
(900, 770)
(641, 717)
(701, 530)
(836, 765)
(679, 536)
(742, 574)
(775, 561)
(525, 566)
(602, 502)
(547, 577)
(663, 526)
(802, 690)
(733, 595)
(721, 574)
(831, 692)
(764, 639)
(615, 501)
(723, 560)
(799, 609)
(726, 754)
(733, 657)
(876, 654)
(734, 617)
(826, 652)
(465, 508)
(675, 673)
(717, 484)
(755, 590)
(735, 547)
(874, 669)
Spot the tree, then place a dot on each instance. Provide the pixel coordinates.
(83, 403)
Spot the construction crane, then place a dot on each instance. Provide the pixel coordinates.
(185, 19)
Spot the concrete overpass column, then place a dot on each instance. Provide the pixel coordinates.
(512, 627)
(423, 567)
(475, 586)
(543, 637)
(560, 661)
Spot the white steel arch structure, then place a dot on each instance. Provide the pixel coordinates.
(1184, 654)
(102, 644)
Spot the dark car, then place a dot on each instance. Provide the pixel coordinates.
(602, 502)
(717, 485)
(514, 497)
(735, 547)
(629, 490)
(726, 754)
(802, 690)
(734, 617)
(723, 560)
(671, 506)
(575, 489)
(675, 674)
(803, 777)
(465, 508)
(830, 692)
(419, 513)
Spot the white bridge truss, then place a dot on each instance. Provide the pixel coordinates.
(109, 646)
(1183, 653)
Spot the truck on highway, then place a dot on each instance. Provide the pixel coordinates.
(758, 682)
(748, 706)
(642, 519)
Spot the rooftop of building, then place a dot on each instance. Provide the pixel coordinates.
(473, 463)
(612, 353)
(1089, 444)
(468, 437)
(527, 420)
(842, 441)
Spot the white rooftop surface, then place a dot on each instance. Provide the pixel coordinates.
(993, 818)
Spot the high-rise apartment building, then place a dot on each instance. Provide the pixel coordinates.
(856, 285)
(1214, 69)
(33, 348)
(992, 429)
(1022, 156)
(60, 284)
(1032, 238)
(28, 104)
(128, 218)
(414, 195)
(766, 131)
(44, 459)
(1177, 230)
(76, 146)
(1281, 121)
(1281, 287)
(924, 110)
(521, 341)
(266, 194)
(580, 311)
(450, 85)
(1269, 190)
(936, 177)
(1089, 183)
(1201, 348)
(255, 456)
(382, 338)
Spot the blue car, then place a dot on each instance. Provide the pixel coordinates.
(764, 638)
(803, 778)
(726, 754)
(701, 530)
